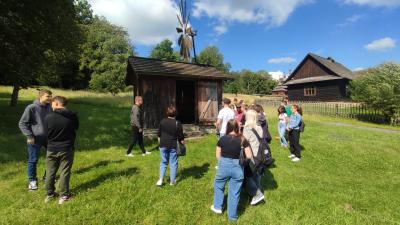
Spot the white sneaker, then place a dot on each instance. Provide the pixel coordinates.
(172, 183)
(216, 167)
(146, 153)
(292, 156)
(256, 199)
(159, 182)
(32, 186)
(295, 159)
(129, 155)
(217, 211)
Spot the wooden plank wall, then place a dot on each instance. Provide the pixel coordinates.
(326, 91)
(158, 93)
(207, 90)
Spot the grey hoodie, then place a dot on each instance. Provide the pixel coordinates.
(32, 120)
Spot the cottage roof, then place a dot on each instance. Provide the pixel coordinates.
(313, 79)
(148, 66)
(280, 88)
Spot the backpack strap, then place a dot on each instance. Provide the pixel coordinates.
(255, 132)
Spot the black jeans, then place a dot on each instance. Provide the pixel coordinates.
(294, 141)
(136, 137)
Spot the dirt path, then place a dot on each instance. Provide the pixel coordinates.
(387, 131)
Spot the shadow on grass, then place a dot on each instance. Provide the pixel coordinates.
(196, 172)
(97, 165)
(103, 178)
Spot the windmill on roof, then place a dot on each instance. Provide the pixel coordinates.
(186, 38)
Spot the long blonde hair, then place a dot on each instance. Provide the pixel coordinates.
(251, 118)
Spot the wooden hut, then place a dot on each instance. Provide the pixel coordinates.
(194, 89)
(280, 90)
(319, 79)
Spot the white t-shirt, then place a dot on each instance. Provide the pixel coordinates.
(225, 115)
(282, 117)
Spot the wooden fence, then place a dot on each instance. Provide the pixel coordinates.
(336, 109)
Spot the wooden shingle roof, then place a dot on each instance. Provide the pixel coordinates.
(156, 67)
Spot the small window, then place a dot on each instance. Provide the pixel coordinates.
(310, 91)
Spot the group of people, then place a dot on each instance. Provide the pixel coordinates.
(48, 123)
(241, 130)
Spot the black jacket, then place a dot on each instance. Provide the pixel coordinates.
(61, 127)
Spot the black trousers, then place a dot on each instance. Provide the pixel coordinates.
(136, 137)
(294, 141)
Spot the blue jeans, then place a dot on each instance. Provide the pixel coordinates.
(282, 132)
(168, 155)
(253, 184)
(33, 158)
(228, 170)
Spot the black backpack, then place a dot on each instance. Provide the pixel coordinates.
(302, 125)
(263, 159)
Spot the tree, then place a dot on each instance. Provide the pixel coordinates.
(379, 88)
(259, 82)
(164, 51)
(212, 56)
(104, 55)
(30, 30)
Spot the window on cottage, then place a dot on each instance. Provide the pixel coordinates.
(310, 91)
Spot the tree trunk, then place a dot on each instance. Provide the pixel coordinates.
(14, 96)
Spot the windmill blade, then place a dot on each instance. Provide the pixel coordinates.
(179, 20)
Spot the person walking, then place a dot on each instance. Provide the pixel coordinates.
(224, 115)
(137, 127)
(230, 171)
(293, 128)
(253, 181)
(62, 124)
(283, 120)
(169, 132)
(32, 125)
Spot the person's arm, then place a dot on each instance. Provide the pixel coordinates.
(248, 152)
(180, 133)
(76, 122)
(25, 125)
(294, 122)
(218, 124)
(218, 152)
(159, 134)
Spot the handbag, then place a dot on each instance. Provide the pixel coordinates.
(180, 148)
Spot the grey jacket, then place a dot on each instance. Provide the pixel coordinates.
(252, 138)
(137, 117)
(32, 120)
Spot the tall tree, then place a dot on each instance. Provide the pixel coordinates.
(164, 51)
(212, 56)
(379, 88)
(30, 30)
(104, 55)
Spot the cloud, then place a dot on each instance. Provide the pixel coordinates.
(147, 22)
(350, 20)
(221, 29)
(269, 12)
(381, 44)
(281, 60)
(375, 3)
(276, 74)
(358, 69)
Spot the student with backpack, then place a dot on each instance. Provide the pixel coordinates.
(253, 133)
(294, 128)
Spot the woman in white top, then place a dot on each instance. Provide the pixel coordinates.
(283, 120)
(253, 182)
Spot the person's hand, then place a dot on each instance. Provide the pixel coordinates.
(30, 141)
(140, 130)
(183, 142)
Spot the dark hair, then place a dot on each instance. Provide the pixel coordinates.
(226, 101)
(298, 109)
(171, 111)
(44, 91)
(258, 108)
(281, 108)
(62, 100)
(232, 125)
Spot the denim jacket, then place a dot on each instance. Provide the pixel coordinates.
(294, 121)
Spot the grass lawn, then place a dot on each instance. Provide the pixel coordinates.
(347, 175)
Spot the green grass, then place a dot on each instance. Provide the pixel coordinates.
(347, 175)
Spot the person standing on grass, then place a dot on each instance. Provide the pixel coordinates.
(262, 121)
(283, 120)
(239, 115)
(137, 127)
(288, 107)
(61, 124)
(293, 128)
(169, 132)
(224, 115)
(32, 125)
(229, 170)
(253, 182)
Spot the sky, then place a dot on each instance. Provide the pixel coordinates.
(268, 35)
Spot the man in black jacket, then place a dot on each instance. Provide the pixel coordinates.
(61, 124)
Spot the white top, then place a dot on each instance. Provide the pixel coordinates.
(282, 117)
(225, 115)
